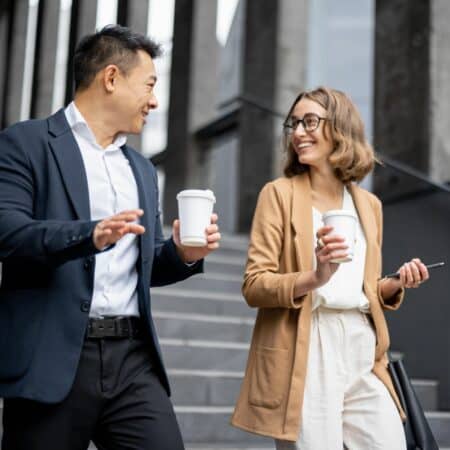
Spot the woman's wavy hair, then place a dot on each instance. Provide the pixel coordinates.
(352, 157)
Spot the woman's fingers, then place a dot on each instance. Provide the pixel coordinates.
(329, 257)
(333, 250)
(321, 232)
(413, 273)
(423, 271)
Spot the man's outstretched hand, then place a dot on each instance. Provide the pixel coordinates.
(191, 254)
(111, 229)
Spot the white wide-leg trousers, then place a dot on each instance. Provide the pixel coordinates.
(344, 402)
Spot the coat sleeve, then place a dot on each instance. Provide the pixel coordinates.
(21, 235)
(396, 300)
(264, 286)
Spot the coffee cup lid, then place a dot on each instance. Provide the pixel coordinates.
(338, 212)
(203, 193)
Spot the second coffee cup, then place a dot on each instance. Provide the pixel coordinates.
(195, 207)
(344, 224)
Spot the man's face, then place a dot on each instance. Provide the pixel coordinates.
(134, 96)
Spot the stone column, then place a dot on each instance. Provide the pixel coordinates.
(5, 23)
(192, 95)
(14, 91)
(403, 81)
(412, 107)
(84, 17)
(440, 91)
(45, 62)
(291, 68)
(134, 14)
(256, 128)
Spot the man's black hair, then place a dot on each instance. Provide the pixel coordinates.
(113, 44)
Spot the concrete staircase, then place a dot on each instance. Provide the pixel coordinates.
(205, 327)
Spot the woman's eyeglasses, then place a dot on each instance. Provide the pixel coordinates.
(310, 122)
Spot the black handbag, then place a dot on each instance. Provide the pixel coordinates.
(417, 430)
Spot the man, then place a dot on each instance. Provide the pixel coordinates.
(81, 242)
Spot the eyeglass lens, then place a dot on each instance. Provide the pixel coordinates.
(310, 122)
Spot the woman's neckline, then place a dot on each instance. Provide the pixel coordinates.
(345, 193)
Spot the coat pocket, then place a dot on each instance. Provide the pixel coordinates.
(268, 381)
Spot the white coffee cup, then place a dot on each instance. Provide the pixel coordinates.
(195, 207)
(344, 224)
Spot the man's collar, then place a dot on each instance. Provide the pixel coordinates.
(78, 123)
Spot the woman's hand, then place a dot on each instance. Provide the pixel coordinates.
(412, 275)
(328, 247)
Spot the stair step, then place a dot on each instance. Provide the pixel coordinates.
(221, 387)
(205, 387)
(202, 326)
(192, 300)
(440, 425)
(225, 264)
(197, 354)
(427, 391)
(211, 424)
(211, 281)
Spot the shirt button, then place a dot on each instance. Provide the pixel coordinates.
(85, 307)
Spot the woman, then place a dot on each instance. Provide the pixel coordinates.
(317, 371)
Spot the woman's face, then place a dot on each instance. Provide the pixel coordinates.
(312, 147)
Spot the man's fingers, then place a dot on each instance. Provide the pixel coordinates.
(139, 212)
(111, 225)
(212, 229)
(135, 228)
(215, 237)
(129, 217)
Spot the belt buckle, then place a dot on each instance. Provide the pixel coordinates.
(99, 328)
(123, 327)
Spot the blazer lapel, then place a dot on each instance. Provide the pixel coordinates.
(302, 221)
(368, 225)
(146, 202)
(70, 162)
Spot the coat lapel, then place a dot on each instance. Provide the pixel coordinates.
(368, 223)
(302, 221)
(146, 201)
(68, 157)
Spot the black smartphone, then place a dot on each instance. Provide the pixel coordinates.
(428, 266)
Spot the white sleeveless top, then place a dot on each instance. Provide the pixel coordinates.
(344, 290)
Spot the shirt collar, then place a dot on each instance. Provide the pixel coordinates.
(79, 125)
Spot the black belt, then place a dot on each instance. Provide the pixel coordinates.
(114, 327)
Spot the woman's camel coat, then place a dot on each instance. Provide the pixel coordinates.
(281, 246)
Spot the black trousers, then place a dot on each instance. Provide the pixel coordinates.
(117, 401)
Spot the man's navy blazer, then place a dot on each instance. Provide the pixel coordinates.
(48, 257)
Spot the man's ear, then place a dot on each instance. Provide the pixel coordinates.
(110, 74)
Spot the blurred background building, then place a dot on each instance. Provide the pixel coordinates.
(230, 72)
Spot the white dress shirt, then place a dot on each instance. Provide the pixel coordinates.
(344, 290)
(112, 189)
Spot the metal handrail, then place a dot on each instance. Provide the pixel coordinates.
(386, 160)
